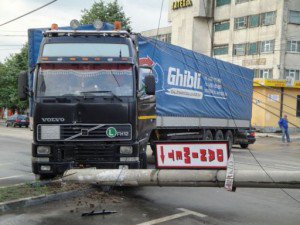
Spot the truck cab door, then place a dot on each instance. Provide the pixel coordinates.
(146, 103)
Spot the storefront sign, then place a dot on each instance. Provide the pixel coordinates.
(276, 83)
(182, 4)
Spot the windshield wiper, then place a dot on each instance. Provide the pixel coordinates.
(77, 97)
(110, 92)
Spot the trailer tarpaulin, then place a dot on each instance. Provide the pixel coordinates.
(189, 84)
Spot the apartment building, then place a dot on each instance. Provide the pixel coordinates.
(263, 35)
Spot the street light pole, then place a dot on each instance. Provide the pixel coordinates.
(184, 178)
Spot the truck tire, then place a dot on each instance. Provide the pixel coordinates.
(45, 176)
(143, 160)
(208, 135)
(244, 146)
(219, 135)
(229, 138)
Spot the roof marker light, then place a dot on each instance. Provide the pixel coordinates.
(118, 25)
(98, 24)
(54, 26)
(74, 24)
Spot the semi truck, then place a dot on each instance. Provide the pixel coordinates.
(99, 95)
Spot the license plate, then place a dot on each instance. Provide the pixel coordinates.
(195, 155)
(23, 120)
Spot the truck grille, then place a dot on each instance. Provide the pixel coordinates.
(88, 132)
(90, 154)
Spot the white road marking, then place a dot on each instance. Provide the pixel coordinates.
(11, 177)
(185, 212)
(5, 164)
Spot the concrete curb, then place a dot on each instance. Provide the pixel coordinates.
(38, 200)
(276, 136)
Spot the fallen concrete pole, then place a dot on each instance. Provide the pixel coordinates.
(187, 178)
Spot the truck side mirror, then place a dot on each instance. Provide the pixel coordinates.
(150, 84)
(23, 86)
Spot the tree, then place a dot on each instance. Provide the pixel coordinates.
(109, 12)
(9, 72)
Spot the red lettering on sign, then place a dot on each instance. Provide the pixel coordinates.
(171, 155)
(211, 154)
(220, 156)
(187, 152)
(195, 155)
(178, 155)
(203, 155)
(162, 155)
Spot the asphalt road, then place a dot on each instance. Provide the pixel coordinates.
(157, 205)
(15, 156)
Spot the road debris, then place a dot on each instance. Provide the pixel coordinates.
(94, 213)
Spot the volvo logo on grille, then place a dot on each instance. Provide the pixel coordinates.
(84, 132)
(50, 120)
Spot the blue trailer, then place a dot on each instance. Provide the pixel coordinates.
(197, 97)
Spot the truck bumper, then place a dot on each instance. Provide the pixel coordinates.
(83, 155)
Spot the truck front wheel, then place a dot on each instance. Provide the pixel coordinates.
(45, 176)
(143, 160)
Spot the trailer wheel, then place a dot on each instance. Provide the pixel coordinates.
(229, 138)
(219, 135)
(208, 135)
(244, 146)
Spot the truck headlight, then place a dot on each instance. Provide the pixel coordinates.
(126, 150)
(49, 132)
(43, 150)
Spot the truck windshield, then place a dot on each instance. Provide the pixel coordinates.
(86, 50)
(55, 80)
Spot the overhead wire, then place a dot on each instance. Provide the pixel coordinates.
(259, 84)
(32, 11)
(165, 46)
(223, 86)
(296, 200)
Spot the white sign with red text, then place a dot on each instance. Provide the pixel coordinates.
(191, 155)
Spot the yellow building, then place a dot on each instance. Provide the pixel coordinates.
(273, 99)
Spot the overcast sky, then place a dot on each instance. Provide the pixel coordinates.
(144, 15)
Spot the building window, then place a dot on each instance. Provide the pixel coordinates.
(220, 50)
(239, 49)
(294, 17)
(222, 2)
(293, 46)
(163, 37)
(298, 106)
(263, 73)
(268, 18)
(240, 23)
(291, 74)
(252, 48)
(267, 46)
(254, 20)
(169, 38)
(222, 26)
(240, 1)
